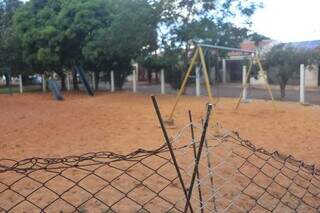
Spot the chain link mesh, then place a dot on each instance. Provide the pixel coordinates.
(233, 176)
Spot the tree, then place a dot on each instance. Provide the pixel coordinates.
(185, 22)
(282, 62)
(9, 47)
(98, 34)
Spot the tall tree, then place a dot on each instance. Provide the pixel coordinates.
(9, 48)
(283, 61)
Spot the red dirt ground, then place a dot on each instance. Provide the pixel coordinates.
(35, 125)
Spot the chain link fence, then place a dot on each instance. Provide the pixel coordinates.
(197, 171)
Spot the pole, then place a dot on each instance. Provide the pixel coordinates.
(134, 78)
(93, 81)
(198, 92)
(202, 141)
(302, 84)
(112, 81)
(20, 84)
(244, 83)
(68, 82)
(175, 162)
(195, 157)
(44, 83)
(163, 88)
(224, 71)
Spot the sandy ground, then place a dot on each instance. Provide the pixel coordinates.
(35, 125)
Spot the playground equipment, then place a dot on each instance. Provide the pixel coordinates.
(53, 86)
(200, 54)
(84, 80)
(255, 60)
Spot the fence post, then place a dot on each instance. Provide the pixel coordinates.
(112, 81)
(44, 83)
(20, 84)
(302, 84)
(224, 71)
(163, 89)
(244, 83)
(68, 82)
(134, 77)
(198, 92)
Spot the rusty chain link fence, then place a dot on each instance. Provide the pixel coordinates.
(201, 169)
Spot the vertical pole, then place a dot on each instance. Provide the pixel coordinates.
(302, 84)
(44, 83)
(93, 81)
(244, 84)
(195, 157)
(198, 92)
(224, 71)
(134, 78)
(163, 88)
(112, 81)
(20, 84)
(175, 162)
(68, 82)
(202, 141)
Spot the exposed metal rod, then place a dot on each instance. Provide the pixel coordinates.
(225, 48)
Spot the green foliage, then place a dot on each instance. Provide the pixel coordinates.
(98, 34)
(283, 61)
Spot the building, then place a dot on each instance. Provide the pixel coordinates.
(235, 61)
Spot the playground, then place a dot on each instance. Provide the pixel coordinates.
(35, 125)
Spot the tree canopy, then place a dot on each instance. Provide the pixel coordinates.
(103, 35)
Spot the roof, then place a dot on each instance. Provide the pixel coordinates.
(307, 45)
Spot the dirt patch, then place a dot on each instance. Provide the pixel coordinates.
(35, 125)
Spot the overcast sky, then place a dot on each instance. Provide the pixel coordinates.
(289, 20)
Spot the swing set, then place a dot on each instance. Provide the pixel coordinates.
(199, 54)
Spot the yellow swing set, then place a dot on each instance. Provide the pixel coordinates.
(199, 54)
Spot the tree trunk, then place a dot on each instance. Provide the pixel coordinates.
(283, 91)
(75, 80)
(7, 77)
(63, 82)
(97, 78)
(149, 76)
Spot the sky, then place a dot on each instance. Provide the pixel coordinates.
(289, 20)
